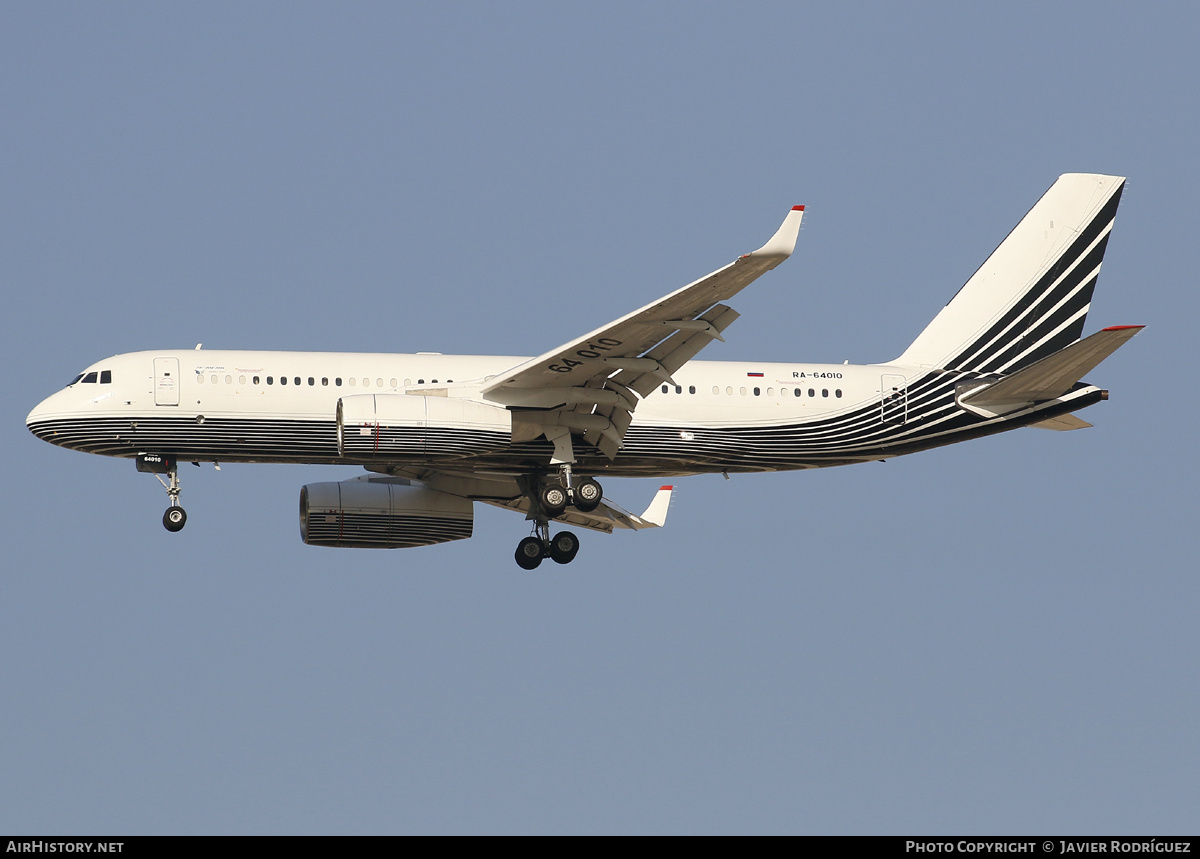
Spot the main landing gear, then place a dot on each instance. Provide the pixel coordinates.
(584, 495)
(549, 502)
(561, 549)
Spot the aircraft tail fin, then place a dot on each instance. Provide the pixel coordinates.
(1031, 297)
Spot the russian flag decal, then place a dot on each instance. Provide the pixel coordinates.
(755, 375)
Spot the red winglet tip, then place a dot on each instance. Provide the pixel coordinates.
(661, 488)
(797, 208)
(1122, 327)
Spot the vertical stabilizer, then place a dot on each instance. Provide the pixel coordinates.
(1031, 297)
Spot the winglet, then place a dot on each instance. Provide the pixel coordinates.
(784, 241)
(656, 513)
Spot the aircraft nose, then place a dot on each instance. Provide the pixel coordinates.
(36, 420)
(35, 415)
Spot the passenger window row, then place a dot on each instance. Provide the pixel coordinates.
(783, 392)
(216, 378)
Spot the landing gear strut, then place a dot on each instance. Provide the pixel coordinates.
(175, 517)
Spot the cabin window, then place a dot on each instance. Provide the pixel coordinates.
(811, 392)
(691, 389)
(213, 378)
(407, 382)
(311, 381)
(229, 380)
(338, 381)
(770, 392)
(393, 383)
(379, 383)
(270, 380)
(838, 393)
(106, 377)
(296, 380)
(199, 379)
(729, 390)
(797, 392)
(353, 381)
(256, 380)
(76, 380)
(241, 380)
(824, 392)
(366, 383)
(742, 391)
(757, 392)
(716, 390)
(90, 378)
(679, 389)
(420, 381)
(325, 381)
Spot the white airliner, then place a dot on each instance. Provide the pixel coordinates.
(437, 432)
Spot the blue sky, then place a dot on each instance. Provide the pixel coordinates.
(997, 637)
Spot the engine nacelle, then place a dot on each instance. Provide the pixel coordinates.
(381, 513)
(388, 426)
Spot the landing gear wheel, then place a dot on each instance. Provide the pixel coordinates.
(174, 519)
(554, 500)
(564, 547)
(529, 553)
(588, 495)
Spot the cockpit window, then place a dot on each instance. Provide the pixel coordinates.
(104, 377)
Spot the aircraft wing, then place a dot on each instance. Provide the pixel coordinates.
(604, 518)
(592, 384)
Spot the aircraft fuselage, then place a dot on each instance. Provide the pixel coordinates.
(243, 406)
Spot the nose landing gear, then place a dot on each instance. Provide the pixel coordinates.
(175, 517)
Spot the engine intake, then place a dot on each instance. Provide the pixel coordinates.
(381, 513)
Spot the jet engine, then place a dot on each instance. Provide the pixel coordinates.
(387, 426)
(372, 512)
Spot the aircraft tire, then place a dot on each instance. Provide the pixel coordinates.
(174, 519)
(588, 495)
(564, 547)
(529, 553)
(554, 500)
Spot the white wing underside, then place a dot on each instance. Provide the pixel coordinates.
(604, 518)
(591, 386)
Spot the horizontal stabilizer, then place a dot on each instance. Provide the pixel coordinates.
(1062, 423)
(1053, 375)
